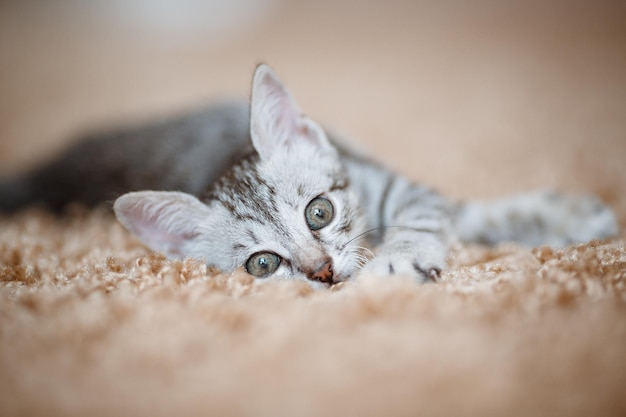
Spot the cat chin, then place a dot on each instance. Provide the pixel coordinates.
(316, 285)
(341, 277)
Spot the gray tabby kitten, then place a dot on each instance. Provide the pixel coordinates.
(267, 190)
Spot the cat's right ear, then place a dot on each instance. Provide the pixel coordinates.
(276, 123)
(164, 221)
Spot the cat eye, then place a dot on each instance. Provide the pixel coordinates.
(262, 264)
(319, 213)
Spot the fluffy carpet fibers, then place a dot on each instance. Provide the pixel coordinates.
(93, 324)
(478, 99)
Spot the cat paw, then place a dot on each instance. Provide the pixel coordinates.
(578, 218)
(540, 218)
(403, 265)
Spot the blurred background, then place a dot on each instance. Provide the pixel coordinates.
(476, 98)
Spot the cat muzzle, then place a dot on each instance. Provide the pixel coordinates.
(324, 273)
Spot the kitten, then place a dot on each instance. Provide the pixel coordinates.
(266, 189)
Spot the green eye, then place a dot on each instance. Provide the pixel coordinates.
(262, 264)
(319, 213)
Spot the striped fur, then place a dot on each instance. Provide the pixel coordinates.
(232, 187)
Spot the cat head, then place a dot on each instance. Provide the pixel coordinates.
(286, 211)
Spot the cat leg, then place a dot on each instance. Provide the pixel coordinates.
(536, 218)
(415, 232)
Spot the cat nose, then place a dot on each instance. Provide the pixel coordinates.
(324, 273)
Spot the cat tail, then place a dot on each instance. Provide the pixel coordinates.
(535, 218)
(14, 194)
(47, 187)
(76, 175)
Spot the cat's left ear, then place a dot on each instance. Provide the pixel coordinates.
(165, 221)
(276, 122)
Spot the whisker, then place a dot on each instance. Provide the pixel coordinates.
(361, 255)
(417, 229)
(366, 250)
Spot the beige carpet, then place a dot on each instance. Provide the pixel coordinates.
(478, 99)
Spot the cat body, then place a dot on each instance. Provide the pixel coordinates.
(265, 188)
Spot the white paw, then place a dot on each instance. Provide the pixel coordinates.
(405, 265)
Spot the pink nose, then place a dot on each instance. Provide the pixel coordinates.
(324, 273)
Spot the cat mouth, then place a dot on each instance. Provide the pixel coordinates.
(339, 278)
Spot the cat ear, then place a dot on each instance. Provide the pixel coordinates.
(164, 221)
(276, 122)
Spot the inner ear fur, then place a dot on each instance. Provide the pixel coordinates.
(165, 221)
